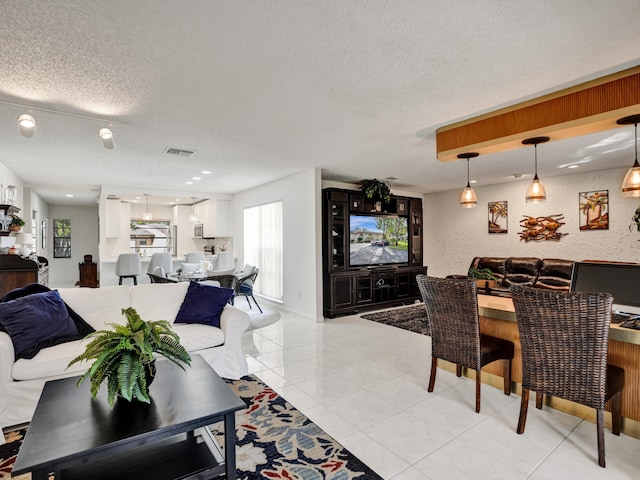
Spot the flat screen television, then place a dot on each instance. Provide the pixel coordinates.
(378, 240)
(622, 281)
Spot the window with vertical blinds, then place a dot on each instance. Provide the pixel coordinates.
(263, 247)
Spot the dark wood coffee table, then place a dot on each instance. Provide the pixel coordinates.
(76, 437)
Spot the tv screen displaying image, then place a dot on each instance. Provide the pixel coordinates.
(378, 240)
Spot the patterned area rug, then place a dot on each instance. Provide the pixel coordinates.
(275, 441)
(413, 318)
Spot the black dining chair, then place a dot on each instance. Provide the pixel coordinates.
(565, 339)
(244, 286)
(452, 310)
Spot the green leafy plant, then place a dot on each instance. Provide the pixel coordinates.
(376, 190)
(16, 220)
(636, 220)
(124, 356)
(482, 274)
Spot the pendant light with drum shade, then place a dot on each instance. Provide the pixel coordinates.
(536, 192)
(147, 215)
(631, 182)
(468, 198)
(193, 217)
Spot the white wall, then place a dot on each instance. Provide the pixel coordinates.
(64, 272)
(454, 235)
(301, 209)
(37, 211)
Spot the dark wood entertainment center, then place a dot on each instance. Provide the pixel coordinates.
(349, 289)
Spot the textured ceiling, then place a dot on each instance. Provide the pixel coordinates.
(262, 90)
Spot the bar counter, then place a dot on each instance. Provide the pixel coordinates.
(498, 318)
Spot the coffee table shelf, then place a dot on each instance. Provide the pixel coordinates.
(77, 437)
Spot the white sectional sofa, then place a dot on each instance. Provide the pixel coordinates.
(21, 381)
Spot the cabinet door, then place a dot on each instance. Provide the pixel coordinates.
(364, 292)
(403, 284)
(337, 236)
(415, 230)
(216, 221)
(341, 292)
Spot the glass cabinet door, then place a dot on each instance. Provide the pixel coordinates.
(338, 235)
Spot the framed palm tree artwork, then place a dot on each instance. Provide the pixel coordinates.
(594, 210)
(498, 217)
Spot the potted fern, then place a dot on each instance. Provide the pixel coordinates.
(124, 356)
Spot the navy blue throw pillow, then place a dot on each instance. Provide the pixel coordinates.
(83, 327)
(36, 321)
(203, 304)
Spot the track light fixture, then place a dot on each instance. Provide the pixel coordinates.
(147, 215)
(106, 135)
(193, 217)
(468, 198)
(536, 192)
(27, 125)
(631, 182)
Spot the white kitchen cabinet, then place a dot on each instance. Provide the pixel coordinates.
(215, 216)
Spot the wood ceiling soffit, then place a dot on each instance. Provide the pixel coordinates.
(581, 110)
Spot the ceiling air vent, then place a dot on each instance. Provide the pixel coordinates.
(180, 152)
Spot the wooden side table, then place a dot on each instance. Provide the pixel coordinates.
(88, 274)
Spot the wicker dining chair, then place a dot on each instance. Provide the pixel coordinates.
(452, 310)
(564, 338)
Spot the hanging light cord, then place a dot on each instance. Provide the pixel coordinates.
(535, 149)
(468, 184)
(636, 144)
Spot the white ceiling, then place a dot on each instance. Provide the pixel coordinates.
(262, 90)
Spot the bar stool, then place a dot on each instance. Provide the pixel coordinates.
(452, 309)
(194, 257)
(163, 260)
(565, 339)
(128, 266)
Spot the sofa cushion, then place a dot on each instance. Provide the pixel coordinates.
(521, 271)
(52, 362)
(196, 337)
(37, 321)
(203, 304)
(158, 301)
(83, 327)
(555, 274)
(98, 306)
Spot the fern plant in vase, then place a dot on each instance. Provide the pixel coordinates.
(124, 356)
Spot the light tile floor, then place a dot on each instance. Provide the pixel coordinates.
(365, 384)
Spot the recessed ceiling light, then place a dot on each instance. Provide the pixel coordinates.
(206, 172)
(177, 199)
(70, 195)
(573, 166)
(189, 183)
(195, 178)
(473, 181)
(137, 198)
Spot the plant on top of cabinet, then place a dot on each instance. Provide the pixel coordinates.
(376, 190)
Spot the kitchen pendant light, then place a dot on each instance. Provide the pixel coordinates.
(193, 217)
(536, 192)
(631, 182)
(147, 215)
(468, 198)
